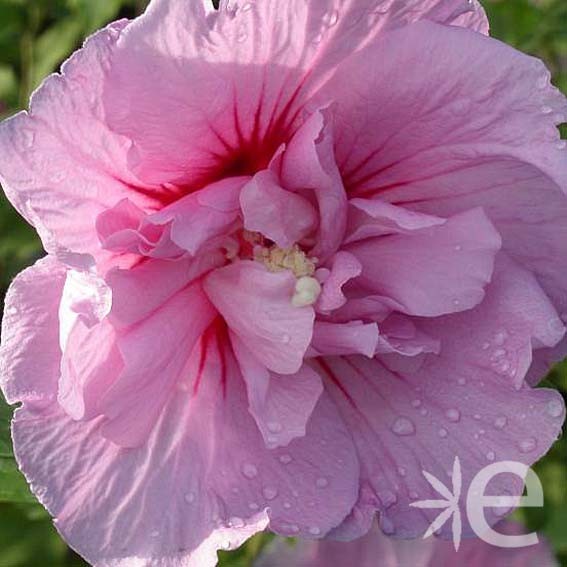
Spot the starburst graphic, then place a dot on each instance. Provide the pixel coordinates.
(450, 504)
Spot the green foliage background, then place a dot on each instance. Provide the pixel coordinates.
(35, 37)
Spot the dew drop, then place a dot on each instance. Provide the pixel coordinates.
(443, 433)
(423, 412)
(246, 8)
(527, 445)
(190, 497)
(414, 495)
(387, 498)
(462, 381)
(500, 422)
(249, 471)
(27, 138)
(542, 82)
(318, 38)
(458, 247)
(12, 310)
(253, 506)
(476, 416)
(331, 19)
(322, 482)
(269, 492)
(561, 145)
(236, 522)
(274, 427)
(546, 110)
(286, 339)
(285, 459)
(242, 35)
(500, 338)
(287, 505)
(555, 408)
(293, 529)
(416, 403)
(490, 456)
(314, 530)
(453, 415)
(402, 471)
(403, 426)
(387, 525)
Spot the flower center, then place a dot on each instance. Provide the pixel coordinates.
(294, 259)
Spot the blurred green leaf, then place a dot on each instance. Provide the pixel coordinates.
(13, 486)
(54, 45)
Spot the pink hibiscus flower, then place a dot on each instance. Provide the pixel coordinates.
(297, 252)
(377, 550)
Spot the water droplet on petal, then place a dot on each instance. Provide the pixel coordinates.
(527, 445)
(546, 110)
(403, 426)
(249, 471)
(462, 381)
(555, 408)
(322, 482)
(443, 433)
(236, 522)
(561, 145)
(287, 505)
(387, 525)
(253, 506)
(286, 339)
(314, 530)
(416, 403)
(274, 427)
(402, 471)
(500, 338)
(331, 18)
(27, 137)
(12, 310)
(453, 415)
(269, 492)
(500, 422)
(190, 497)
(542, 82)
(285, 459)
(490, 456)
(387, 498)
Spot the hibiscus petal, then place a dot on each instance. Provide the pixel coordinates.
(256, 304)
(30, 354)
(437, 270)
(199, 217)
(247, 70)
(343, 267)
(60, 164)
(205, 458)
(154, 354)
(463, 402)
(139, 291)
(281, 405)
(377, 549)
(355, 337)
(480, 100)
(373, 217)
(280, 215)
(308, 164)
(90, 364)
